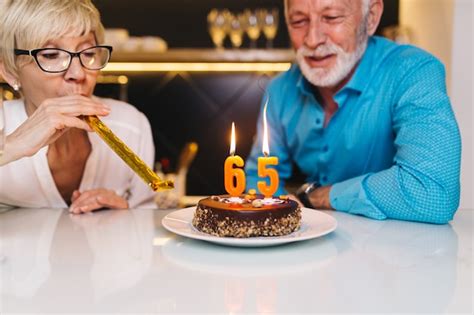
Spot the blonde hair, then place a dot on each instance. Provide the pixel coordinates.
(30, 24)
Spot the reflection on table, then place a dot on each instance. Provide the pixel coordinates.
(124, 261)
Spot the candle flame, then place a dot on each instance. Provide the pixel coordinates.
(265, 146)
(232, 140)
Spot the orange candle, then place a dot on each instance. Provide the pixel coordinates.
(267, 190)
(234, 178)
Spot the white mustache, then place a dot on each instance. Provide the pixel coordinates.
(320, 51)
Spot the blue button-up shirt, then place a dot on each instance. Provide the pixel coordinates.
(391, 150)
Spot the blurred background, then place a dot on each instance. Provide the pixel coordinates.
(183, 23)
(199, 106)
(194, 67)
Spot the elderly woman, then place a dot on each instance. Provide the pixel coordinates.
(51, 53)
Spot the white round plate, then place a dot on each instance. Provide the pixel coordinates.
(314, 224)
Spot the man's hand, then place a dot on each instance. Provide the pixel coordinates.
(96, 199)
(319, 198)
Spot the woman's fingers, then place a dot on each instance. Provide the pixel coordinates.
(87, 196)
(75, 105)
(72, 122)
(88, 207)
(96, 199)
(112, 201)
(75, 195)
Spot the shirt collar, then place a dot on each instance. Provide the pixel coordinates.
(361, 76)
(359, 79)
(304, 86)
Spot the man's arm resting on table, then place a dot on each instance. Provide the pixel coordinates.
(423, 182)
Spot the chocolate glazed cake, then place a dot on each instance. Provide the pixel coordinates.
(219, 216)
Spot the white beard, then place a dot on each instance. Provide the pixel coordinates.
(345, 61)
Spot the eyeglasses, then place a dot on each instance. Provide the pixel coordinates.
(55, 60)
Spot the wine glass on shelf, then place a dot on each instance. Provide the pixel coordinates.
(217, 24)
(236, 31)
(270, 25)
(252, 27)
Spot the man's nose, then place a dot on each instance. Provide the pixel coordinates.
(75, 71)
(316, 35)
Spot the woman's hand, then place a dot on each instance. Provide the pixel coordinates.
(95, 199)
(49, 121)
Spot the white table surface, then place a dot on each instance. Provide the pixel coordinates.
(126, 262)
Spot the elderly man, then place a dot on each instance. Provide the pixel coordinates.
(366, 120)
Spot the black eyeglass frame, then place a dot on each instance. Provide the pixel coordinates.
(35, 52)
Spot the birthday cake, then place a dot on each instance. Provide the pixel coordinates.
(247, 216)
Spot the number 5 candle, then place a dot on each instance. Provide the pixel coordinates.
(237, 187)
(267, 190)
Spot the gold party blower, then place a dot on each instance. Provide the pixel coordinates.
(127, 155)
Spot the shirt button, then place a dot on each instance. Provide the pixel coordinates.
(324, 179)
(318, 121)
(326, 148)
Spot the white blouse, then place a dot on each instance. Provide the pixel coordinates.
(28, 182)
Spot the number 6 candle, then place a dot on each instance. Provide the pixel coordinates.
(234, 189)
(267, 190)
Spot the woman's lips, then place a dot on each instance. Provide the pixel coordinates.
(319, 62)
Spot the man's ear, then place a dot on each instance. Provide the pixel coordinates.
(374, 16)
(9, 78)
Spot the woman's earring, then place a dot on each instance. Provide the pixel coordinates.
(16, 87)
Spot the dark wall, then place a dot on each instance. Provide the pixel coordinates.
(182, 23)
(200, 107)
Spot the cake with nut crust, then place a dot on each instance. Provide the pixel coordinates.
(247, 216)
